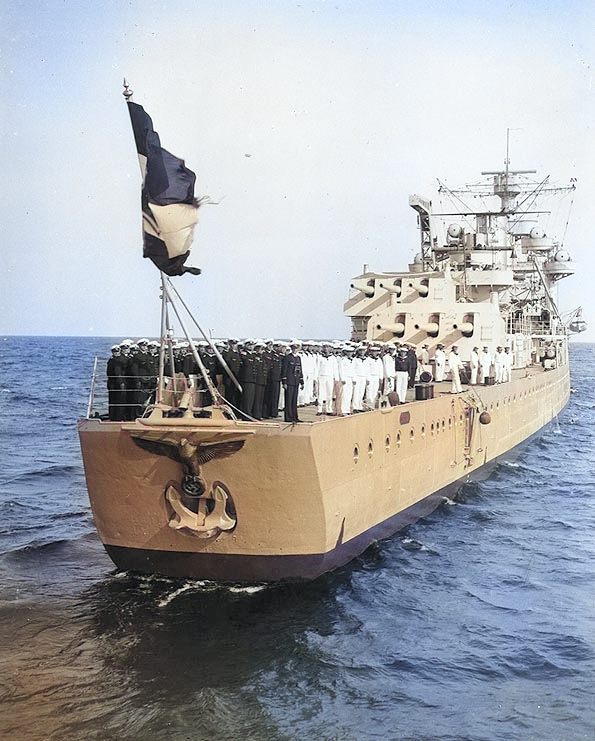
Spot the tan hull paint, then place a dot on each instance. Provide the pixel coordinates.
(298, 490)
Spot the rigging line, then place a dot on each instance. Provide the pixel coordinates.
(454, 198)
(218, 355)
(536, 191)
(533, 195)
(210, 385)
(567, 221)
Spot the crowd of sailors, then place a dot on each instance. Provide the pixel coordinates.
(339, 377)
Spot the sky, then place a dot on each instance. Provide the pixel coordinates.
(308, 124)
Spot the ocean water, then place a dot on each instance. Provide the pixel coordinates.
(476, 623)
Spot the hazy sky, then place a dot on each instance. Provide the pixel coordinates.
(310, 122)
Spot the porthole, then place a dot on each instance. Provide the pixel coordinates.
(443, 425)
(432, 429)
(387, 443)
(450, 423)
(355, 454)
(412, 434)
(423, 430)
(370, 449)
(398, 439)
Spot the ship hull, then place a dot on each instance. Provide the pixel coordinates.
(308, 498)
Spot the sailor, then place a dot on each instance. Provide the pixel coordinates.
(261, 366)
(439, 362)
(375, 375)
(411, 365)
(347, 379)
(337, 351)
(309, 358)
(274, 355)
(388, 364)
(292, 379)
(401, 374)
(507, 367)
(360, 378)
(423, 358)
(474, 364)
(248, 377)
(485, 364)
(116, 384)
(134, 392)
(499, 364)
(146, 368)
(327, 372)
(231, 355)
(456, 365)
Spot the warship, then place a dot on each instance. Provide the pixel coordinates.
(192, 488)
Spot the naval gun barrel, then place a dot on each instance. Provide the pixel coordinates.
(421, 288)
(430, 327)
(396, 289)
(363, 287)
(396, 328)
(464, 327)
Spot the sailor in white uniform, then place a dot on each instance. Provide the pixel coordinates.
(455, 364)
(375, 375)
(474, 365)
(440, 363)
(327, 372)
(485, 364)
(388, 364)
(423, 358)
(508, 361)
(499, 364)
(347, 379)
(360, 379)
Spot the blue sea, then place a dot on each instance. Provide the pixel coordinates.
(477, 623)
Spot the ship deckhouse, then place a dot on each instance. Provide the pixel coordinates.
(484, 275)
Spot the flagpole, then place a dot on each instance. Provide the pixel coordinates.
(212, 390)
(162, 342)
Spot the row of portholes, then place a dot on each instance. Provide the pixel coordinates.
(437, 427)
(387, 440)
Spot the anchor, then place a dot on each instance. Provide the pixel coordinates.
(202, 523)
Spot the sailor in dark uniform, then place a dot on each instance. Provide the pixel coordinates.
(261, 374)
(248, 377)
(147, 376)
(232, 357)
(273, 388)
(292, 379)
(116, 384)
(411, 366)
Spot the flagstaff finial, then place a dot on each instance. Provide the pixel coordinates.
(128, 93)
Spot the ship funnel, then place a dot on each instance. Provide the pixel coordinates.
(392, 287)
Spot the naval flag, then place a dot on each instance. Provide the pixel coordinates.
(170, 210)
